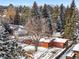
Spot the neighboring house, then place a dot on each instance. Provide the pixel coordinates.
(76, 50)
(20, 32)
(49, 42)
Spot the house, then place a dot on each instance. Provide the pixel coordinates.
(60, 42)
(70, 55)
(49, 42)
(76, 50)
(53, 42)
(20, 32)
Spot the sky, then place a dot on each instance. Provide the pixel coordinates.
(39, 2)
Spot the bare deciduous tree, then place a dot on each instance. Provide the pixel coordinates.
(34, 26)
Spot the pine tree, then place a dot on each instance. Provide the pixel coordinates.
(55, 13)
(7, 28)
(35, 10)
(59, 24)
(70, 22)
(61, 19)
(20, 9)
(9, 48)
(47, 26)
(46, 12)
(50, 9)
(62, 15)
(17, 17)
(41, 8)
(1, 11)
(25, 15)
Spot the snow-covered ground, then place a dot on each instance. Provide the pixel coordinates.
(43, 53)
(1, 58)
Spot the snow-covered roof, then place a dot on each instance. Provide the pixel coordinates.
(1, 58)
(24, 38)
(13, 37)
(54, 40)
(45, 40)
(14, 26)
(20, 31)
(4, 16)
(60, 40)
(22, 45)
(70, 54)
(47, 53)
(20, 26)
(76, 47)
(21, 57)
(31, 47)
(41, 53)
(57, 34)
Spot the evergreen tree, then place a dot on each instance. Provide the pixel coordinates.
(47, 26)
(25, 15)
(17, 17)
(20, 9)
(46, 12)
(35, 10)
(59, 24)
(9, 48)
(50, 9)
(70, 22)
(73, 5)
(62, 15)
(55, 13)
(7, 28)
(61, 19)
(41, 7)
(1, 11)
